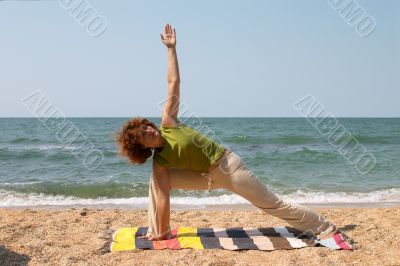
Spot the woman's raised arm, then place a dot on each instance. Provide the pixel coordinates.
(171, 106)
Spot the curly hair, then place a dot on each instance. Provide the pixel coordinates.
(129, 147)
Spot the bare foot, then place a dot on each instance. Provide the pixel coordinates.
(331, 231)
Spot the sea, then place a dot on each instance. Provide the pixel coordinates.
(75, 162)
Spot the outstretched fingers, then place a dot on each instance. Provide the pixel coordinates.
(166, 29)
(168, 33)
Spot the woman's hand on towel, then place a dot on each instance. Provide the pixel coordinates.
(164, 236)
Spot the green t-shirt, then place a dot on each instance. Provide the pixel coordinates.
(185, 147)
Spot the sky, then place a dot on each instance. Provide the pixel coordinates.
(237, 58)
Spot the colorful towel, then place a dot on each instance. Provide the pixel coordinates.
(237, 238)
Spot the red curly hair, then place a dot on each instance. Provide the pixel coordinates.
(129, 147)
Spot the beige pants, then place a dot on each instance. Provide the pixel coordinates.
(232, 174)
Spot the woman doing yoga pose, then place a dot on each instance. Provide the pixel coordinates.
(183, 158)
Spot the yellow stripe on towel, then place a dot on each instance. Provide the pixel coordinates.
(188, 238)
(124, 239)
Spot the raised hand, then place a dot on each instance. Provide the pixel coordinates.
(169, 36)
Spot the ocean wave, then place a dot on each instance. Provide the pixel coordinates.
(50, 151)
(108, 189)
(25, 140)
(34, 153)
(25, 154)
(298, 154)
(293, 140)
(306, 153)
(284, 139)
(110, 153)
(378, 196)
(14, 184)
(42, 147)
(384, 139)
(244, 139)
(16, 199)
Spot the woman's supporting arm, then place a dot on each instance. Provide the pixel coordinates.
(171, 107)
(160, 175)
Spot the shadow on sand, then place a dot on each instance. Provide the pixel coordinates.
(8, 257)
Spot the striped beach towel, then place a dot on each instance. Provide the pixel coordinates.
(237, 238)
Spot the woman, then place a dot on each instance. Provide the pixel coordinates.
(185, 159)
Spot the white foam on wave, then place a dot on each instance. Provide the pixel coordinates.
(14, 199)
(19, 183)
(40, 147)
(379, 196)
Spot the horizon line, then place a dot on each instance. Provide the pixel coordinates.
(202, 117)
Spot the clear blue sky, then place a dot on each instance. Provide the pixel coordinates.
(237, 58)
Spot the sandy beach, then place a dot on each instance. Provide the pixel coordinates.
(72, 237)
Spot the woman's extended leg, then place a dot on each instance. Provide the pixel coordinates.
(234, 176)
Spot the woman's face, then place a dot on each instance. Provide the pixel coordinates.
(149, 137)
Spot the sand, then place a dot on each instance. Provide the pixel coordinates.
(71, 237)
